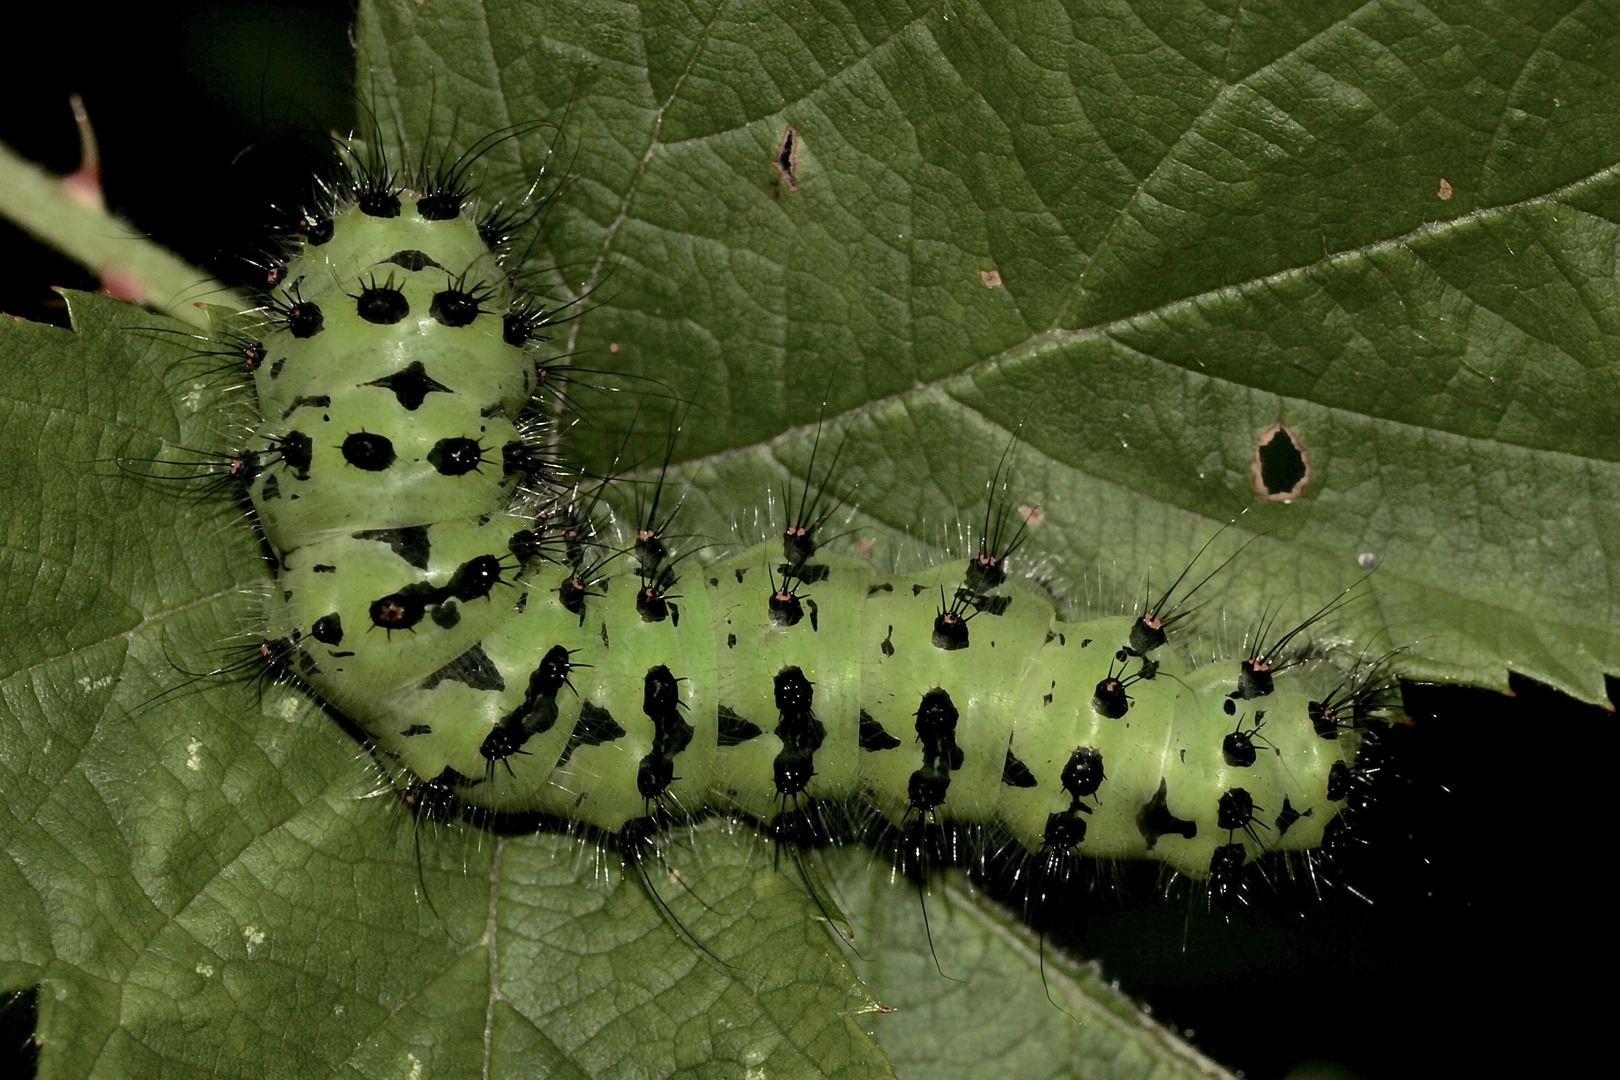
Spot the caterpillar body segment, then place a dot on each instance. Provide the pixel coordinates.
(514, 663)
(951, 701)
(820, 648)
(1093, 773)
(389, 377)
(368, 597)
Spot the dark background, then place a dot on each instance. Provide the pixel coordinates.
(1481, 847)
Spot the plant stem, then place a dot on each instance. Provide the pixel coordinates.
(129, 265)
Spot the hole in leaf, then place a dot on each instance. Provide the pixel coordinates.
(1281, 465)
(787, 158)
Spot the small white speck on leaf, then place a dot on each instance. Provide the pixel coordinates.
(194, 755)
(1366, 560)
(253, 937)
(206, 970)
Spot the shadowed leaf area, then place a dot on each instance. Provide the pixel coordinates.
(1360, 255)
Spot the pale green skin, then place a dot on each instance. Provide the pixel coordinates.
(1023, 686)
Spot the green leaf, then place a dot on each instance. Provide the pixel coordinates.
(1391, 227)
(975, 993)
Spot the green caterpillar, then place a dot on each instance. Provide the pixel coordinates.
(438, 582)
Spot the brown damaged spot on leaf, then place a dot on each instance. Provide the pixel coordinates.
(1445, 189)
(787, 158)
(1281, 464)
(991, 278)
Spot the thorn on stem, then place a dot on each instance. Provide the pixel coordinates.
(84, 183)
